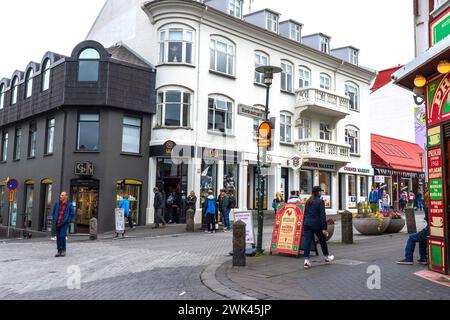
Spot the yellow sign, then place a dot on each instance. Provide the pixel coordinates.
(264, 131)
(11, 196)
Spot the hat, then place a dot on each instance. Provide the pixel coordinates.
(317, 189)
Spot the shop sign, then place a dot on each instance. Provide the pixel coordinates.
(438, 103)
(120, 220)
(352, 203)
(296, 163)
(356, 170)
(247, 218)
(251, 112)
(327, 200)
(436, 189)
(316, 165)
(287, 229)
(434, 137)
(84, 168)
(436, 249)
(437, 218)
(379, 179)
(168, 147)
(435, 164)
(440, 28)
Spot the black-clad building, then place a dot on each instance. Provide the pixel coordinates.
(79, 124)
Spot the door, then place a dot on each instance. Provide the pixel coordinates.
(85, 197)
(285, 182)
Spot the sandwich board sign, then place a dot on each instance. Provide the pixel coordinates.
(120, 221)
(247, 218)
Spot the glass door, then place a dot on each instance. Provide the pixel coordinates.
(86, 206)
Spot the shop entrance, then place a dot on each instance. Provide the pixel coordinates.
(84, 193)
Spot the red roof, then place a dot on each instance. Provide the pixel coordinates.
(396, 154)
(383, 78)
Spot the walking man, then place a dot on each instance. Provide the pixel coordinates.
(63, 213)
(158, 205)
(125, 205)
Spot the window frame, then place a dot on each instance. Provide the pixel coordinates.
(4, 146)
(132, 126)
(326, 76)
(163, 56)
(80, 113)
(91, 61)
(259, 77)
(229, 44)
(227, 114)
(439, 3)
(285, 124)
(47, 131)
(17, 143)
(14, 90)
(295, 32)
(286, 82)
(32, 140)
(356, 102)
(325, 130)
(234, 4)
(161, 107)
(356, 145)
(303, 70)
(306, 130)
(324, 44)
(354, 57)
(2, 95)
(272, 22)
(45, 76)
(29, 83)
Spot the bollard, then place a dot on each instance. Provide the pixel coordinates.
(411, 221)
(239, 244)
(347, 227)
(190, 224)
(93, 229)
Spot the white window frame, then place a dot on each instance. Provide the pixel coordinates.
(259, 56)
(161, 107)
(286, 127)
(271, 22)
(29, 83)
(288, 74)
(229, 116)
(350, 87)
(439, 3)
(14, 90)
(135, 126)
(323, 82)
(326, 134)
(304, 129)
(303, 80)
(46, 75)
(2, 95)
(4, 146)
(164, 40)
(356, 138)
(295, 32)
(230, 55)
(235, 8)
(324, 44)
(354, 57)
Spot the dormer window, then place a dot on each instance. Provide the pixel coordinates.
(354, 57)
(324, 44)
(235, 8)
(296, 32)
(2, 96)
(272, 22)
(45, 75)
(29, 84)
(15, 87)
(88, 65)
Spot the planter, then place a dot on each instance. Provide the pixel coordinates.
(395, 226)
(369, 226)
(330, 229)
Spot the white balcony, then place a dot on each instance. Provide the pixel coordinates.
(324, 150)
(323, 102)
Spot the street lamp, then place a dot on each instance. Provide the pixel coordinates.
(268, 72)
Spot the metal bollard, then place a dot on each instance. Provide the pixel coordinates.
(411, 221)
(93, 229)
(190, 224)
(239, 259)
(347, 227)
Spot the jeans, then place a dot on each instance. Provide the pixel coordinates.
(173, 214)
(211, 220)
(309, 233)
(61, 233)
(130, 221)
(411, 245)
(226, 217)
(386, 207)
(159, 217)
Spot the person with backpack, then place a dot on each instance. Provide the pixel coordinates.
(231, 205)
(210, 209)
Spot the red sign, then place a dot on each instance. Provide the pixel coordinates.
(437, 105)
(287, 230)
(435, 164)
(437, 218)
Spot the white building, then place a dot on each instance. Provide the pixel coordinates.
(210, 99)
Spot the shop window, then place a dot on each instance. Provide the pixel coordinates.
(175, 45)
(14, 89)
(208, 180)
(4, 151)
(174, 108)
(2, 96)
(325, 184)
(45, 75)
(88, 132)
(306, 184)
(132, 188)
(50, 136)
(17, 142)
(363, 186)
(29, 83)
(304, 77)
(220, 115)
(352, 201)
(88, 65)
(131, 135)
(286, 128)
(222, 56)
(2, 201)
(29, 195)
(13, 213)
(47, 206)
(231, 179)
(287, 75)
(32, 140)
(261, 59)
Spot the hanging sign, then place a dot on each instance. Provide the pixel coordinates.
(435, 164)
(247, 218)
(434, 137)
(438, 103)
(287, 229)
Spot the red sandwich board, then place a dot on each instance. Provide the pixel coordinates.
(287, 229)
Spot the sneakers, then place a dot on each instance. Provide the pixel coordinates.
(423, 261)
(329, 259)
(58, 255)
(406, 262)
(63, 254)
(307, 264)
(53, 238)
(206, 231)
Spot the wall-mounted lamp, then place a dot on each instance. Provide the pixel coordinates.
(443, 67)
(420, 81)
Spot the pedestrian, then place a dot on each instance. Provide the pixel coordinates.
(315, 224)
(158, 205)
(403, 200)
(191, 201)
(231, 205)
(173, 202)
(420, 237)
(411, 198)
(294, 197)
(63, 213)
(419, 199)
(210, 208)
(276, 201)
(373, 200)
(386, 201)
(125, 205)
(223, 201)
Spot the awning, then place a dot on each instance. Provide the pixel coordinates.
(425, 64)
(384, 77)
(396, 154)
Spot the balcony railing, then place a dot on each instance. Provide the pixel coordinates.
(323, 101)
(324, 150)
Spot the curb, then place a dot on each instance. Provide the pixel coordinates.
(208, 278)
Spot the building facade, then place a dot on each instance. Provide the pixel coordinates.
(210, 100)
(79, 124)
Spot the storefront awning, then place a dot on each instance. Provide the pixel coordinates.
(396, 154)
(425, 64)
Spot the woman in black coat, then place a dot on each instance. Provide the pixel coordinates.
(315, 223)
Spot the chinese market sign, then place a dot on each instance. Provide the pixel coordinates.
(287, 230)
(440, 28)
(438, 108)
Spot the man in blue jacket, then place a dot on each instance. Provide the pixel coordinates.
(373, 200)
(63, 213)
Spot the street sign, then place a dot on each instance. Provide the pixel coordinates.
(264, 131)
(12, 184)
(11, 195)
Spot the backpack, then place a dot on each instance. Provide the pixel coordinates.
(210, 206)
(170, 200)
(232, 203)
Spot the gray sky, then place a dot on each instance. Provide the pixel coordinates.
(382, 29)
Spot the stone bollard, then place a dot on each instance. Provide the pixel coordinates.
(239, 244)
(93, 233)
(411, 221)
(190, 223)
(347, 227)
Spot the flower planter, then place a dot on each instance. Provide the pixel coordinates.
(395, 226)
(330, 229)
(370, 226)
